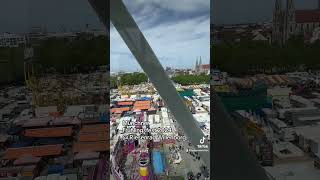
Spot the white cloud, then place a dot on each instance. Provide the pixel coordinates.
(176, 44)
(175, 5)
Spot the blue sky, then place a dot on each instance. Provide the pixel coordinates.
(177, 30)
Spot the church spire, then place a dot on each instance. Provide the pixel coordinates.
(290, 4)
(196, 64)
(290, 7)
(277, 11)
(278, 5)
(200, 63)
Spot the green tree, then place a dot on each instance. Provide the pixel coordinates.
(133, 78)
(64, 55)
(245, 58)
(191, 79)
(113, 82)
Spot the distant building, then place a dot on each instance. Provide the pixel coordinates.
(260, 36)
(12, 40)
(97, 32)
(66, 35)
(169, 71)
(315, 35)
(280, 96)
(288, 21)
(36, 34)
(241, 32)
(202, 68)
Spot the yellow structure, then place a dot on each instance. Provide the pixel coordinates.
(32, 83)
(221, 88)
(253, 127)
(144, 171)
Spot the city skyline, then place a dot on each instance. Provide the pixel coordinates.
(75, 14)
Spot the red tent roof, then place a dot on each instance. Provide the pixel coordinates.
(303, 16)
(49, 132)
(205, 66)
(125, 103)
(36, 151)
(97, 146)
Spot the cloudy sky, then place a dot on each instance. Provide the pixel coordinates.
(177, 30)
(246, 11)
(21, 15)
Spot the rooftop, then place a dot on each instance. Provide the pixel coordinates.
(37, 151)
(278, 123)
(125, 103)
(26, 160)
(49, 132)
(96, 136)
(294, 171)
(95, 128)
(120, 110)
(303, 16)
(91, 146)
(311, 132)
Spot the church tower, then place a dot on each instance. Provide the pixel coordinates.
(197, 65)
(277, 21)
(290, 19)
(291, 10)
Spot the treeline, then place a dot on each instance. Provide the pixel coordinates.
(258, 57)
(113, 82)
(138, 78)
(191, 79)
(81, 54)
(128, 79)
(11, 65)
